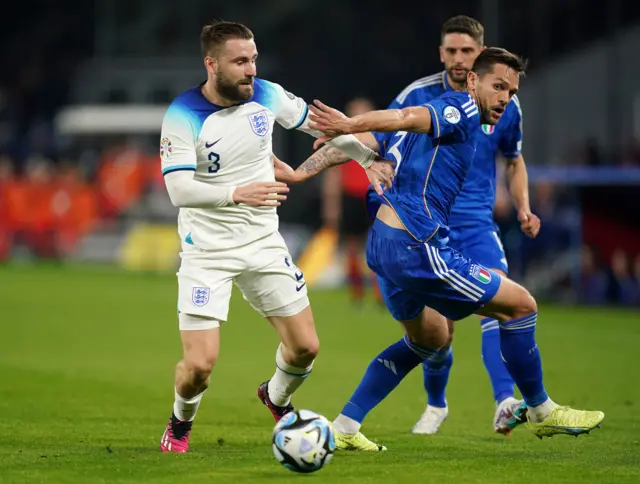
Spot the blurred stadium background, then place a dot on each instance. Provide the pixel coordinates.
(88, 241)
(85, 84)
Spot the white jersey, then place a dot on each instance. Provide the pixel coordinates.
(227, 147)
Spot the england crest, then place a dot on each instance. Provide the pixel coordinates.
(200, 295)
(259, 123)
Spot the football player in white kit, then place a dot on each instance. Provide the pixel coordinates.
(218, 169)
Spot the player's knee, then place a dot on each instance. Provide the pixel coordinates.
(199, 368)
(438, 339)
(434, 338)
(526, 305)
(309, 350)
(451, 328)
(304, 352)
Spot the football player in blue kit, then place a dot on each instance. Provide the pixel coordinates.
(473, 231)
(418, 272)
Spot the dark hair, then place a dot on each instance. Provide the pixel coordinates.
(461, 24)
(216, 33)
(491, 56)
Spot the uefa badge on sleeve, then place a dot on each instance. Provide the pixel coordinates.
(451, 115)
(165, 148)
(200, 296)
(259, 123)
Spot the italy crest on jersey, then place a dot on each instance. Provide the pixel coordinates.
(480, 273)
(488, 128)
(259, 122)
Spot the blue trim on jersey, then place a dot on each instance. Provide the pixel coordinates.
(188, 239)
(266, 95)
(304, 116)
(171, 169)
(193, 107)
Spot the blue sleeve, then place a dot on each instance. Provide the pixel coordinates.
(450, 118)
(384, 138)
(510, 144)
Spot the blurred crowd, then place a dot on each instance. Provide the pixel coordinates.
(616, 282)
(47, 208)
(601, 277)
(589, 153)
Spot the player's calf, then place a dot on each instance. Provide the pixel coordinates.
(436, 376)
(294, 360)
(201, 342)
(517, 313)
(291, 372)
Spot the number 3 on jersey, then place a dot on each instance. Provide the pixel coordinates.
(394, 151)
(214, 158)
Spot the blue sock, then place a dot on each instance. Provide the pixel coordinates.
(384, 373)
(501, 381)
(436, 376)
(522, 357)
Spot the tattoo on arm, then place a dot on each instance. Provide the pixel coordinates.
(325, 157)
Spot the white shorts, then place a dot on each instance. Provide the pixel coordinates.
(262, 270)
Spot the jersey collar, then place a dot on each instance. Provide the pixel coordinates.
(445, 82)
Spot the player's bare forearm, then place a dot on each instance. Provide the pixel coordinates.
(518, 183)
(324, 158)
(415, 119)
(329, 156)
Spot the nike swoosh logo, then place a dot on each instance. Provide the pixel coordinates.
(299, 276)
(299, 288)
(207, 145)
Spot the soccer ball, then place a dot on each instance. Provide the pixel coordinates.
(303, 441)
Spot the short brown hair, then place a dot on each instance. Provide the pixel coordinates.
(461, 24)
(491, 56)
(216, 33)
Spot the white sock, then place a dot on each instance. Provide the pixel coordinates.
(286, 380)
(185, 409)
(346, 425)
(542, 411)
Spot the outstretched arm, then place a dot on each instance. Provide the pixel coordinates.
(292, 113)
(380, 173)
(325, 157)
(329, 155)
(415, 119)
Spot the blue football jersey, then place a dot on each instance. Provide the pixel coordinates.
(474, 204)
(431, 169)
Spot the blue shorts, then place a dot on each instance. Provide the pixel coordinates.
(412, 275)
(481, 244)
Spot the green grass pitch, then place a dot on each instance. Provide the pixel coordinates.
(86, 372)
